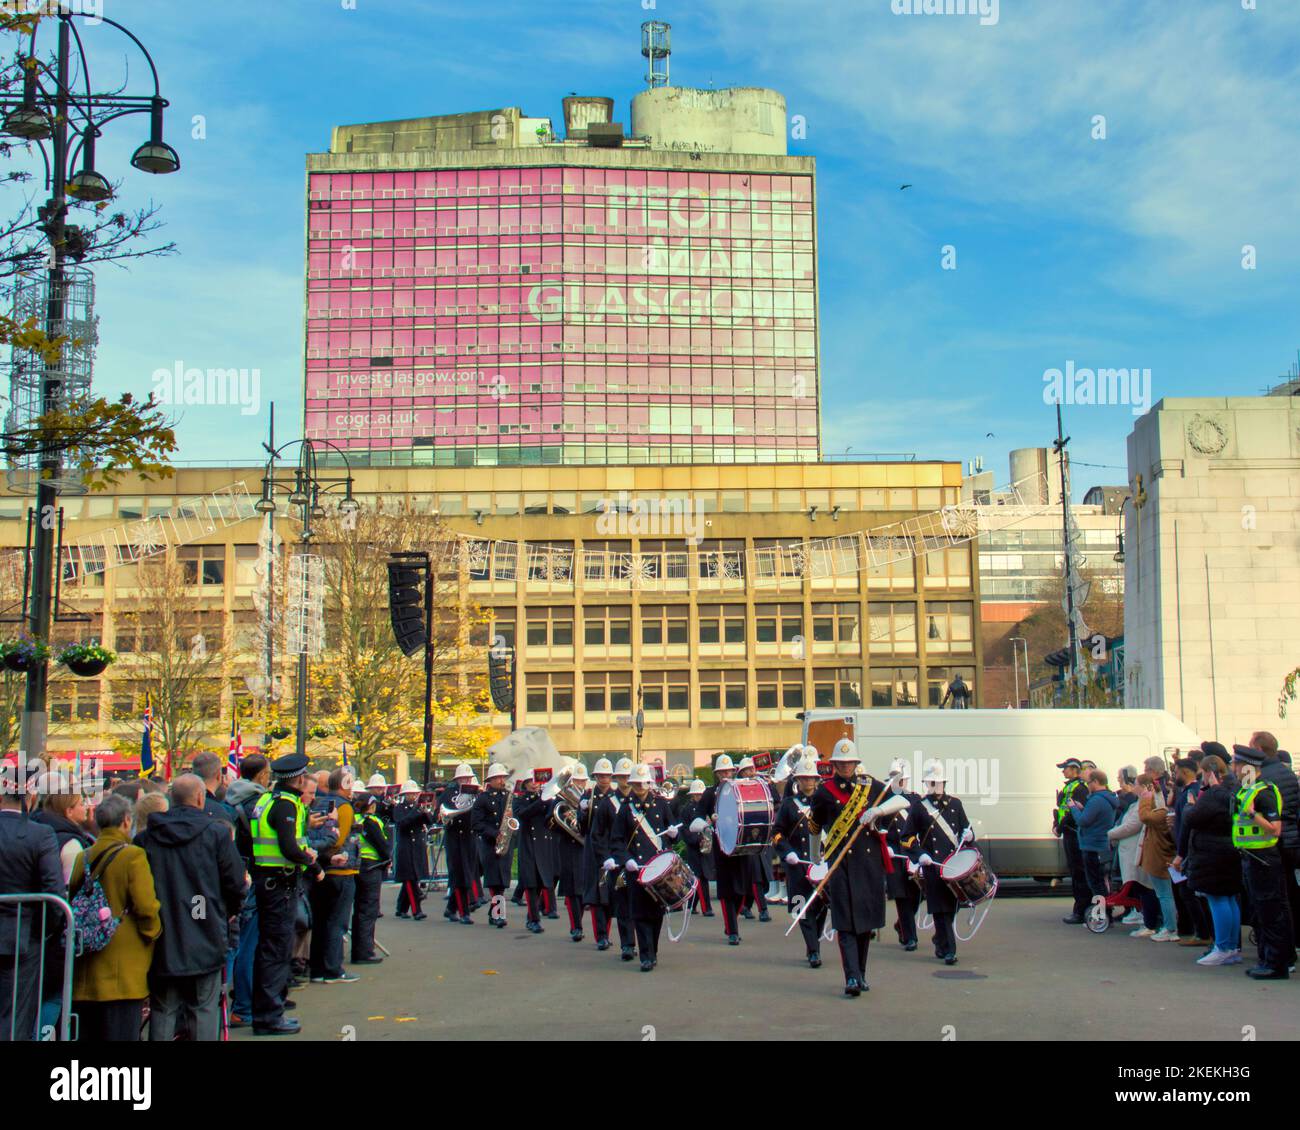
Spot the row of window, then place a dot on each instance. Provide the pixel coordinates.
(892, 627)
(667, 693)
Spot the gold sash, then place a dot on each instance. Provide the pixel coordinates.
(853, 808)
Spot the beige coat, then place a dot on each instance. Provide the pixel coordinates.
(1156, 850)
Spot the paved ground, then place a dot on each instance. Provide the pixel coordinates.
(1024, 976)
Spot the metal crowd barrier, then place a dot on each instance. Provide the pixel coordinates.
(23, 963)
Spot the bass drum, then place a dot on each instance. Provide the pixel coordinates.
(746, 816)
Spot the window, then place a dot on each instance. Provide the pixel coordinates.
(938, 678)
(948, 628)
(948, 567)
(550, 627)
(837, 687)
(776, 625)
(549, 693)
(665, 624)
(607, 691)
(780, 690)
(666, 560)
(893, 628)
(550, 562)
(610, 627)
(203, 564)
(496, 622)
(722, 623)
(246, 566)
(897, 568)
(837, 625)
(723, 691)
(894, 686)
(666, 693)
(722, 562)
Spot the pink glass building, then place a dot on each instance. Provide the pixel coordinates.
(480, 292)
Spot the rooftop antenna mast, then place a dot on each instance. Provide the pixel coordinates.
(656, 46)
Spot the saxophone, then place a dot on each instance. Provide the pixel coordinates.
(509, 826)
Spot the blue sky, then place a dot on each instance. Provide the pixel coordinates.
(1123, 252)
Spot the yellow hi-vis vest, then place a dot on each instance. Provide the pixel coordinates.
(1067, 795)
(367, 849)
(1246, 833)
(266, 845)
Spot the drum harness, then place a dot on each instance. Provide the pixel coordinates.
(657, 842)
(977, 913)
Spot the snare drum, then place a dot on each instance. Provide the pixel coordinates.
(745, 816)
(668, 880)
(969, 877)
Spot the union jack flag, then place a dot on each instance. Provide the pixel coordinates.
(236, 743)
(147, 765)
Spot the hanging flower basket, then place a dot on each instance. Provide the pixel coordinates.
(86, 659)
(24, 654)
(278, 732)
(319, 731)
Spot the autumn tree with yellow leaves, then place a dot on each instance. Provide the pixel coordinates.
(364, 691)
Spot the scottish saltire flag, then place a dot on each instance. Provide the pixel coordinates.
(236, 750)
(146, 741)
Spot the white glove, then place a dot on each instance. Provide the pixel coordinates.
(672, 831)
(868, 817)
(585, 804)
(610, 865)
(968, 835)
(791, 858)
(698, 825)
(912, 868)
(632, 866)
(925, 858)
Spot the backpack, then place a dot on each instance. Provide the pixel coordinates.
(91, 913)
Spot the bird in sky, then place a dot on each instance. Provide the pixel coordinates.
(903, 186)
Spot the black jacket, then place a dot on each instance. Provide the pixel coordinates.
(29, 863)
(199, 878)
(1213, 865)
(1277, 773)
(64, 829)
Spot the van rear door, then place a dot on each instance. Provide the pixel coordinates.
(823, 733)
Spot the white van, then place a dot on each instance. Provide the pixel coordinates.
(1001, 764)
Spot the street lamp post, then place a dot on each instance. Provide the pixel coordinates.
(46, 110)
(304, 492)
(1025, 643)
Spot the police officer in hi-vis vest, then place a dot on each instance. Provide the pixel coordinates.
(280, 857)
(375, 851)
(1256, 829)
(1075, 788)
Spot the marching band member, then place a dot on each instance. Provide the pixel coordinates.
(595, 828)
(641, 830)
(899, 835)
(760, 871)
(941, 828)
(569, 856)
(485, 824)
(536, 847)
(619, 896)
(846, 810)
(695, 822)
(791, 833)
(606, 814)
(733, 871)
(409, 823)
(459, 846)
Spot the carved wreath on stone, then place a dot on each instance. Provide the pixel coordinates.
(1206, 435)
